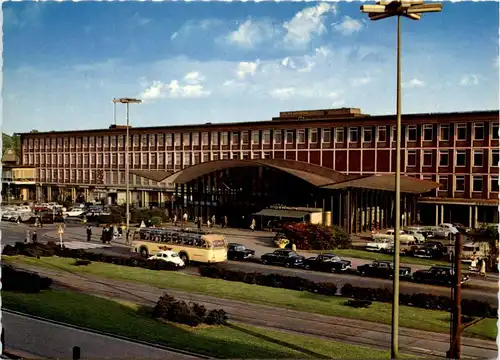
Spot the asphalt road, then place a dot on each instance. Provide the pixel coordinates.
(50, 340)
(358, 332)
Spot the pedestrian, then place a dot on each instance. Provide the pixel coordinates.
(175, 220)
(28, 237)
(482, 272)
(213, 220)
(185, 218)
(252, 225)
(225, 222)
(40, 221)
(209, 223)
(103, 235)
(34, 237)
(199, 222)
(89, 233)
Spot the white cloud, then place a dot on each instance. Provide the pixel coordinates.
(469, 79)
(282, 93)
(245, 68)
(160, 90)
(194, 77)
(251, 33)
(348, 25)
(414, 83)
(307, 23)
(288, 63)
(313, 91)
(361, 81)
(174, 35)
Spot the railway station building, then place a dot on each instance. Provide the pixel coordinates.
(338, 160)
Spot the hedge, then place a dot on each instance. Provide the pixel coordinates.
(52, 249)
(427, 301)
(24, 281)
(194, 314)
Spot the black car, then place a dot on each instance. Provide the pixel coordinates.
(431, 250)
(438, 275)
(327, 262)
(382, 269)
(283, 257)
(238, 252)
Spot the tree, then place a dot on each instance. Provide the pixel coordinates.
(11, 142)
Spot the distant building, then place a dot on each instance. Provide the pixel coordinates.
(458, 150)
(18, 181)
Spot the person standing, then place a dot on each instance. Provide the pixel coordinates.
(175, 220)
(213, 220)
(253, 224)
(185, 218)
(209, 224)
(482, 270)
(28, 237)
(225, 222)
(89, 233)
(34, 237)
(103, 235)
(199, 222)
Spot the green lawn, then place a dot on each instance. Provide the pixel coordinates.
(128, 319)
(410, 317)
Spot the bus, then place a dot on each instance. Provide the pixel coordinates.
(191, 245)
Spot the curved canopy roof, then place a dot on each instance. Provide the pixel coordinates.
(314, 174)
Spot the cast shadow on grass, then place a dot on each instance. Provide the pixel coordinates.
(277, 342)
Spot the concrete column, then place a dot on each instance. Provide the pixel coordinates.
(442, 214)
(437, 215)
(331, 210)
(475, 216)
(73, 194)
(470, 216)
(49, 194)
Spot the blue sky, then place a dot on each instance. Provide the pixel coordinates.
(194, 62)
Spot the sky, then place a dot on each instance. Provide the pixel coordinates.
(197, 62)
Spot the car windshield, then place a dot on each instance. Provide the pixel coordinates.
(174, 255)
(239, 248)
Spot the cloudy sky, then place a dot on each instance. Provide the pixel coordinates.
(197, 62)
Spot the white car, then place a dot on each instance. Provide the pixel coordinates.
(450, 227)
(380, 244)
(168, 256)
(389, 235)
(74, 212)
(419, 238)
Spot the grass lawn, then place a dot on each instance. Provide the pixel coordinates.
(128, 319)
(410, 317)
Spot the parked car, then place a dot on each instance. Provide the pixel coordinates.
(283, 257)
(327, 262)
(168, 256)
(238, 252)
(440, 275)
(74, 212)
(382, 269)
(380, 244)
(431, 250)
(419, 237)
(389, 235)
(405, 247)
(450, 227)
(462, 228)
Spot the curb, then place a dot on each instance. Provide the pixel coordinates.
(19, 354)
(145, 343)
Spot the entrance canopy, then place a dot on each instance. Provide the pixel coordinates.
(314, 174)
(386, 182)
(283, 213)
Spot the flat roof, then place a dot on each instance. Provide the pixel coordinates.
(282, 213)
(270, 122)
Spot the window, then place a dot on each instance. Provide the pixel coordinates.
(170, 159)
(443, 180)
(444, 132)
(215, 138)
(113, 141)
(478, 158)
(120, 140)
(313, 136)
(301, 136)
(204, 138)
(225, 138)
(136, 140)
(235, 156)
(428, 133)
(161, 159)
(145, 160)
(225, 155)
(144, 140)
(99, 159)
(92, 142)
(460, 183)
(255, 137)
(187, 159)
(267, 137)
(255, 155)
(353, 134)
(381, 133)
(494, 184)
(206, 157)
(277, 136)
(137, 159)
(245, 156)
(444, 157)
(412, 158)
(461, 132)
(477, 183)
(152, 140)
(160, 140)
(196, 158)
(460, 159)
(326, 135)
(494, 131)
(267, 155)
(244, 137)
(427, 158)
(234, 138)
(478, 131)
(186, 139)
(178, 159)
(168, 139)
(121, 159)
(215, 156)
(412, 133)
(339, 135)
(495, 158)
(367, 134)
(177, 139)
(289, 136)
(393, 133)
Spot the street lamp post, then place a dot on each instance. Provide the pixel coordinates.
(411, 9)
(127, 101)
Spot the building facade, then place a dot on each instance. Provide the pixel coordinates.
(458, 150)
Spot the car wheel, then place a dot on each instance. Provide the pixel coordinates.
(264, 262)
(287, 265)
(307, 267)
(362, 273)
(184, 258)
(144, 252)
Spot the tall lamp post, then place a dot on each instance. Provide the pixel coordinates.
(127, 101)
(411, 9)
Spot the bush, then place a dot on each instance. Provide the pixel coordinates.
(170, 309)
(156, 220)
(19, 280)
(315, 237)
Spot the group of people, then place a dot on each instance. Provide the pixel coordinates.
(109, 233)
(31, 236)
(198, 221)
(479, 265)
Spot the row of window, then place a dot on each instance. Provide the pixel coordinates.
(300, 136)
(477, 183)
(188, 158)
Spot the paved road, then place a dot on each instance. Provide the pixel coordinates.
(328, 327)
(49, 340)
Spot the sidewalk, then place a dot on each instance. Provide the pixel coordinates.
(358, 332)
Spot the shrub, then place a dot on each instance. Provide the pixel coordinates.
(25, 281)
(315, 237)
(156, 220)
(216, 317)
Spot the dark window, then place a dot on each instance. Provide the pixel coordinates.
(443, 180)
(460, 159)
(477, 183)
(494, 184)
(428, 133)
(461, 131)
(427, 158)
(412, 133)
(494, 131)
(367, 135)
(444, 157)
(478, 158)
(460, 183)
(412, 158)
(382, 133)
(444, 132)
(478, 131)
(495, 158)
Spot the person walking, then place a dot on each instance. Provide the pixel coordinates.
(253, 224)
(34, 237)
(104, 235)
(185, 219)
(482, 270)
(225, 222)
(89, 233)
(213, 220)
(209, 223)
(175, 220)
(200, 220)
(28, 237)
